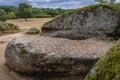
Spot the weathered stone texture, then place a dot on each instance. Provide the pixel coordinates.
(97, 22)
(43, 54)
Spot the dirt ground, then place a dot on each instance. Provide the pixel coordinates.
(33, 22)
(4, 71)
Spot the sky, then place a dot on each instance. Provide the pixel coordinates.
(66, 4)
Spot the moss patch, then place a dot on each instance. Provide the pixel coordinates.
(108, 67)
(87, 8)
(33, 31)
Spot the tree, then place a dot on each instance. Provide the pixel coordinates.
(36, 12)
(11, 15)
(24, 11)
(3, 15)
(8, 9)
(112, 2)
(52, 12)
(106, 1)
(101, 1)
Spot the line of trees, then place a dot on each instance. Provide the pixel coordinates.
(106, 1)
(25, 11)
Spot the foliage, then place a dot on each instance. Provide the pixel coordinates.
(101, 1)
(11, 15)
(36, 12)
(52, 12)
(48, 11)
(8, 26)
(43, 15)
(3, 15)
(8, 9)
(33, 31)
(106, 1)
(3, 26)
(108, 67)
(13, 27)
(24, 11)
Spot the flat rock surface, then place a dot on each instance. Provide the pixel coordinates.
(39, 54)
(61, 47)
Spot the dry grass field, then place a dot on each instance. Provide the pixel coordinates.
(32, 22)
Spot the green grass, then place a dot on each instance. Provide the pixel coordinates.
(108, 67)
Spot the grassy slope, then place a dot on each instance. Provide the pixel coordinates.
(108, 67)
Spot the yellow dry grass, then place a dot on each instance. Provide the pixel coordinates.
(32, 22)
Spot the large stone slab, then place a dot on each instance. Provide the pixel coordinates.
(39, 54)
(87, 22)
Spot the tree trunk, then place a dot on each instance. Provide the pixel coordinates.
(25, 19)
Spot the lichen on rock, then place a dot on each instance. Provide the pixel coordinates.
(108, 67)
(91, 21)
(35, 54)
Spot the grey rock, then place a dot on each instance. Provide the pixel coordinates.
(97, 22)
(39, 54)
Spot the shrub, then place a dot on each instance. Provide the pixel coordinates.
(11, 15)
(3, 15)
(43, 16)
(3, 26)
(33, 31)
(8, 26)
(13, 27)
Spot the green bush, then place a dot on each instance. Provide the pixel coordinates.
(3, 26)
(13, 27)
(43, 16)
(11, 15)
(3, 15)
(8, 27)
(3, 18)
(33, 31)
